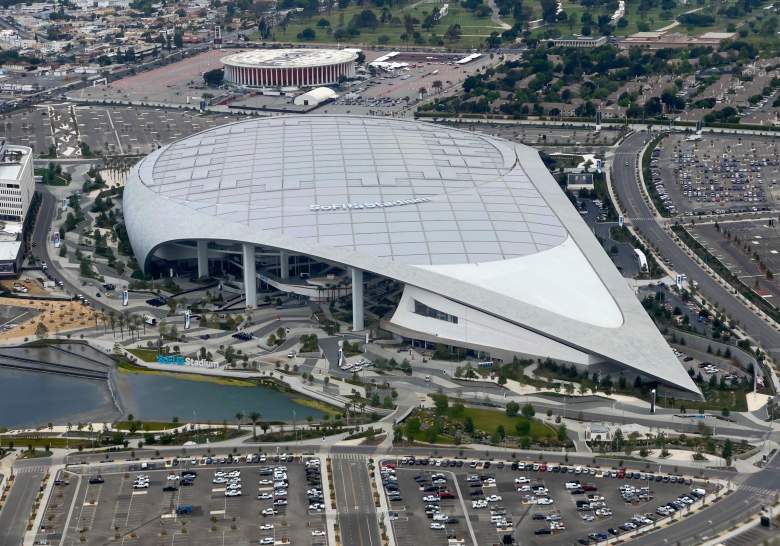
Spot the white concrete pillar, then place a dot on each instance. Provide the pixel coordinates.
(203, 259)
(284, 265)
(250, 276)
(357, 300)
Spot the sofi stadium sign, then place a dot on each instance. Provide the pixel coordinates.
(179, 360)
(369, 204)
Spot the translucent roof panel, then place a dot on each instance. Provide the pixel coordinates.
(406, 190)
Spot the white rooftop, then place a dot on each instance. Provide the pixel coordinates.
(289, 58)
(270, 174)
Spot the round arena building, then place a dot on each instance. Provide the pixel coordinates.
(289, 67)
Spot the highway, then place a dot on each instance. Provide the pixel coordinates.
(355, 503)
(18, 506)
(626, 184)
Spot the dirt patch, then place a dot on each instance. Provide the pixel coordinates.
(56, 316)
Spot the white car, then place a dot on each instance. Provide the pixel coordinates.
(489, 481)
(269, 512)
(173, 477)
(430, 498)
(265, 496)
(437, 526)
(266, 526)
(266, 540)
(524, 488)
(142, 485)
(318, 533)
(544, 500)
(479, 504)
(265, 482)
(233, 493)
(234, 474)
(521, 480)
(494, 498)
(438, 516)
(219, 480)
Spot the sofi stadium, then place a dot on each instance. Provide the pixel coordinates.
(484, 250)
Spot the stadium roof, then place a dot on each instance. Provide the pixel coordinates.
(289, 58)
(473, 218)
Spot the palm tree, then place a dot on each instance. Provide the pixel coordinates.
(254, 417)
(239, 416)
(112, 320)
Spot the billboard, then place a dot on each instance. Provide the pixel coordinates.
(187, 319)
(125, 297)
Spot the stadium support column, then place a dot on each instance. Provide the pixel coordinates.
(357, 300)
(203, 259)
(284, 265)
(250, 278)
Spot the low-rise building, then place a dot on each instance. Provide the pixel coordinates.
(580, 41)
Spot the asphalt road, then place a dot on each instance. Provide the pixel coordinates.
(357, 514)
(18, 506)
(626, 184)
(759, 489)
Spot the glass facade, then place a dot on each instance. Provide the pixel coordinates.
(424, 310)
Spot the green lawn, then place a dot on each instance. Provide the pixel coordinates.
(56, 181)
(655, 19)
(147, 355)
(474, 29)
(148, 426)
(714, 400)
(488, 420)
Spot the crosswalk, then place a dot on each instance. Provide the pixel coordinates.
(349, 456)
(30, 469)
(760, 491)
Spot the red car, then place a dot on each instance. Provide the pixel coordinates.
(446, 495)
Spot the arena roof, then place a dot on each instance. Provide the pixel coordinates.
(289, 58)
(475, 219)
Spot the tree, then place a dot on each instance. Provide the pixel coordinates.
(562, 436)
(453, 33)
(442, 403)
(178, 39)
(41, 330)
(307, 34)
(468, 425)
(412, 428)
(214, 77)
(728, 451)
(239, 417)
(254, 417)
(528, 411)
(512, 408)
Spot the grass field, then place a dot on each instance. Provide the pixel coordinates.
(655, 19)
(126, 367)
(474, 29)
(488, 420)
(147, 355)
(147, 426)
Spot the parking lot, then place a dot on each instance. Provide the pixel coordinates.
(233, 502)
(106, 129)
(717, 173)
(749, 249)
(539, 504)
(180, 82)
